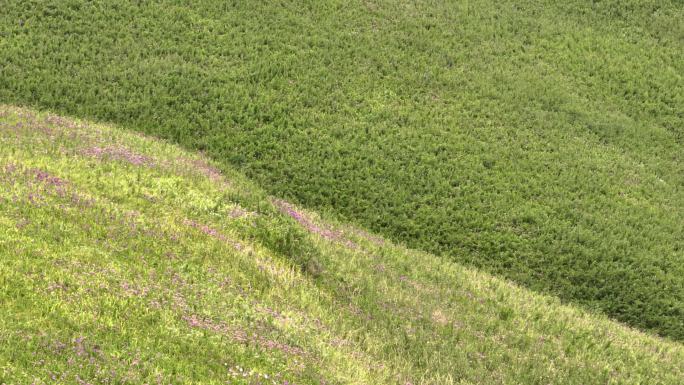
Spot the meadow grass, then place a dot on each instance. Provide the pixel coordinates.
(541, 141)
(127, 260)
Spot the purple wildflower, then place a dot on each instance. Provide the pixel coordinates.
(120, 153)
(242, 336)
(212, 233)
(206, 169)
(46, 178)
(308, 224)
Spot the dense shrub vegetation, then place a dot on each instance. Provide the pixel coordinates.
(538, 140)
(128, 261)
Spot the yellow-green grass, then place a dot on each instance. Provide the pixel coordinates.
(128, 260)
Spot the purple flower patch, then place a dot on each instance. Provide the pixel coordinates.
(119, 153)
(312, 227)
(212, 233)
(47, 179)
(41, 184)
(241, 336)
(205, 169)
(27, 124)
(60, 121)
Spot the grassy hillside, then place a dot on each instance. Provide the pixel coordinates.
(130, 261)
(538, 140)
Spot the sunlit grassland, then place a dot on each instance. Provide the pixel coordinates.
(538, 140)
(129, 260)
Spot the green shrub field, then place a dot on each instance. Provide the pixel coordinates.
(126, 260)
(540, 141)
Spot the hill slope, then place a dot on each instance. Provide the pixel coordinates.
(127, 260)
(541, 141)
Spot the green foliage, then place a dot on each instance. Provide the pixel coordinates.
(126, 260)
(538, 140)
